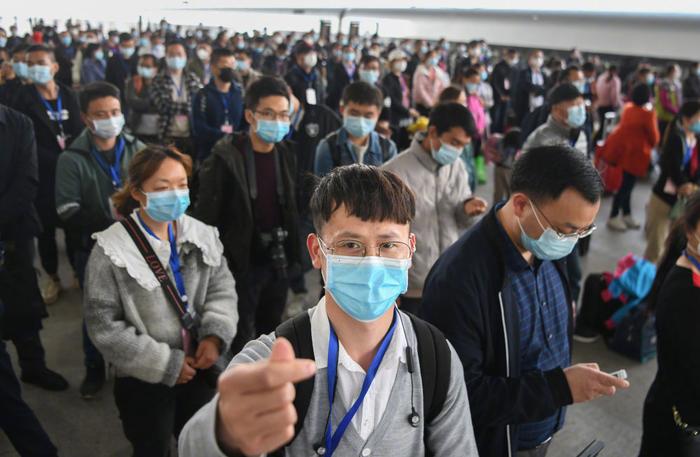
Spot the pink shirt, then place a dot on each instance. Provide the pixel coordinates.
(609, 92)
(477, 109)
(427, 85)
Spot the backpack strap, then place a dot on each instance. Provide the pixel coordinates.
(385, 144)
(298, 331)
(435, 368)
(334, 148)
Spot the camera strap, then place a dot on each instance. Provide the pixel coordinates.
(172, 295)
(252, 178)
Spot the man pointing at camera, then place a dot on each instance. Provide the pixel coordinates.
(370, 379)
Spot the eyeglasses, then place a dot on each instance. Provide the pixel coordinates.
(353, 248)
(270, 115)
(583, 233)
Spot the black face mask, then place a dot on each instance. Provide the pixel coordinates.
(226, 75)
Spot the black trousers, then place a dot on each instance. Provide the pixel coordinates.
(48, 248)
(660, 437)
(16, 418)
(623, 197)
(24, 307)
(262, 296)
(152, 414)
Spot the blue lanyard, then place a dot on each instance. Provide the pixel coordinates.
(113, 171)
(688, 154)
(692, 259)
(224, 101)
(174, 259)
(180, 88)
(58, 114)
(333, 439)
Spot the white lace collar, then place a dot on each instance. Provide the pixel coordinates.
(192, 234)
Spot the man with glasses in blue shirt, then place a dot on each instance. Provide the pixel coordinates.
(501, 296)
(248, 191)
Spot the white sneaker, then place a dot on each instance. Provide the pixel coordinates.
(50, 291)
(617, 224)
(296, 305)
(630, 222)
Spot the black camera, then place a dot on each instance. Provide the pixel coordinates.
(273, 242)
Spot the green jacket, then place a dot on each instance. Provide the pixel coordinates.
(83, 188)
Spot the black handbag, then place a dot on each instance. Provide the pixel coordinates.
(188, 321)
(688, 437)
(635, 336)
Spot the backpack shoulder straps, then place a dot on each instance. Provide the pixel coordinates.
(435, 367)
(298, 331)
(333, 147)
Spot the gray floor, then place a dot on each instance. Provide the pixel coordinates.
(93, 429)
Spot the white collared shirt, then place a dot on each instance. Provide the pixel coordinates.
(351, 376)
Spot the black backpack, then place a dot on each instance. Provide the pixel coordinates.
(433, 353)
(336, 152)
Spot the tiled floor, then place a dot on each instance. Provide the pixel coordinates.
(93, 429)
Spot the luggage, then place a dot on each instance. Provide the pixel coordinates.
(604, 160)
(635, 336)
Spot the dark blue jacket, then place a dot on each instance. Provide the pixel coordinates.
(468, 296)
(209, 113)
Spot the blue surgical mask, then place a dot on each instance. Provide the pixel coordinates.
(39, 74)
(365, 287)
(271, 131)
(144, 43)
(446, 154)
(358, 126)
(576, 116)
(66, 40)
(472, 88)
(434, 60)
(3, 41)
(99, 54)
(548, 246)
(21, 69)
(580, 85)
(349, 56)
(242, 65)
(168, 205)
(369, 76)
(695, 127)
(176, 63)
(650, 79)
(126, 52)
(146, 72)
(484, 75)
(424, 49)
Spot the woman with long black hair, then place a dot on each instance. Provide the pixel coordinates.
(672, 407)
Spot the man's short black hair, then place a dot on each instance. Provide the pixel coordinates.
(266, 86)
(363, 93)
(471, 72)
(367, 59)
(564, 93)
(93, 91)
(42, 48)
(450, 93)
(176, 42)
(588, 67)
(220, 53)
(150, 57)
(446, 116)
(17, 49)
(641, 93)
(125, 37)
(367, 192)
(544, 173)
(301, 48)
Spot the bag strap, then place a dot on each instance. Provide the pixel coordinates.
(298, 331)
(435, 367)
(171, 294)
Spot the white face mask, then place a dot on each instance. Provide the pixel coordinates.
(399, 66)
(202, 54)
(109, 128)
(310, 60)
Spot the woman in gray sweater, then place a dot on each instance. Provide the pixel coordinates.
(160, 368)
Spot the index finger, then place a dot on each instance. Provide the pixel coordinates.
(262, 376)
(609, 380)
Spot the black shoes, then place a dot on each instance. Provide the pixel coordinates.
(93, 382)
(45, 379)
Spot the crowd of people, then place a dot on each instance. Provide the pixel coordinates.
(198, 175)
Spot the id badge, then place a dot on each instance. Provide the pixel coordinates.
(227, 128)
(61, 140)
(506, 84)
(311, 96)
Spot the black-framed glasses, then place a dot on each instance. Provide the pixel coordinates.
(583, 233)
(270, 115)
(353, 248)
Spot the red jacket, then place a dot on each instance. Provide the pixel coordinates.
(630, 144)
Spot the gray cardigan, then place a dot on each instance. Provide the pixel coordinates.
(440, 218)
(127, 316)
(450, 434)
